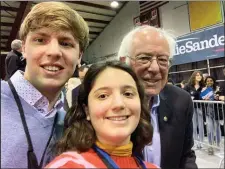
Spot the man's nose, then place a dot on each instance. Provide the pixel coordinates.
(54, 49)
(154, 66)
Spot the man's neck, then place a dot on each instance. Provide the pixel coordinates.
(52, 98)
(51, 94)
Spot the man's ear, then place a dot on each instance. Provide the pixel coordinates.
(86, 112)
(79, 59)
(23, 49)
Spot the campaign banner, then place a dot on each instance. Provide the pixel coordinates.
(207, 93)
(198, 46)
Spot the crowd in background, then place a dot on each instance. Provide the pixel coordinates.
(208, 118)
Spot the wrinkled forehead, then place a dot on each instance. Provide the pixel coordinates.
(148, 34)
(149, 38)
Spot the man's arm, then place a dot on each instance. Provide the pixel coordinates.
(188, 156)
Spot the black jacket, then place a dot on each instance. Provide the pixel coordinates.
(176, 133)
(193, 92)
(14, 62)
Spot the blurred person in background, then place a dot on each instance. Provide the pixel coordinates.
(183, 83)
(213, 113)
(14, 60)
(82, 70)
(194, 88)
(75, 81)
(170, 81)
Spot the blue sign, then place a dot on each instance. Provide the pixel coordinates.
(199, 46)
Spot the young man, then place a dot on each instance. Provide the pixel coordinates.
(149, 50)
(54, 37)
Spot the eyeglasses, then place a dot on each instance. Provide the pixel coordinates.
(162, 61)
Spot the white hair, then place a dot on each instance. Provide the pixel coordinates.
(16, 44)
(125, 47)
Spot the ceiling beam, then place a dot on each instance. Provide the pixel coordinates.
(17, 22)
(4, 36)
(6, 24)
(94, 33)
(92, 5)
(96, 20)
(146, 2)
(109, 22)
(7, 8)
(7, 16)
(99, 27)
(5, 31)
(4, 49)
(88, 12)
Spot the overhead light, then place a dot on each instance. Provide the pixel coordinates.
(114, 4)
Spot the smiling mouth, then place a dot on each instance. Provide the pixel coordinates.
(151, 81)
(52, 68)
(118, 118)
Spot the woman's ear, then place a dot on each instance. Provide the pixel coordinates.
(86, 112)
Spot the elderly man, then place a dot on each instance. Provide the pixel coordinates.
(148, 50)
(14, 60)
(54, 37)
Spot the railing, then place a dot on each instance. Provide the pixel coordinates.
(208, 120)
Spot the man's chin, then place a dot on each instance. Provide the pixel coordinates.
(152, 92)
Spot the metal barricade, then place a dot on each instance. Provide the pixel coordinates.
(208, 125)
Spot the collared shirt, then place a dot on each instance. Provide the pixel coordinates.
(33, 97)
(152, 153)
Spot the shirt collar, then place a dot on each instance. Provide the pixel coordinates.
(30, 94)
(156, 101)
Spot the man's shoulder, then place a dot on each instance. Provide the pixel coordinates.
(6, 94)
(175, 91)
(5, 90)
(11, 53)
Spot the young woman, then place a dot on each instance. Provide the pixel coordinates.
(194, 87)
(212, 115)
(108, 126)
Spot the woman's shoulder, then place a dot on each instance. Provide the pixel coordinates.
(72, 159)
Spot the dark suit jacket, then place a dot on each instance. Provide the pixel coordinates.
(176, 128)
(13, 63)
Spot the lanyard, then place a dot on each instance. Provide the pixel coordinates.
(31, 157)
(110, 163)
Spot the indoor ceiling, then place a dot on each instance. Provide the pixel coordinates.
(97, 14)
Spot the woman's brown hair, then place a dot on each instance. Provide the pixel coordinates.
(191, 81)
(79, 135)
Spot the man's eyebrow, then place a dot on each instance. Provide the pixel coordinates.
(61, 36)
(40, 33)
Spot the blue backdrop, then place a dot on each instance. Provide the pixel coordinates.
(200, 46)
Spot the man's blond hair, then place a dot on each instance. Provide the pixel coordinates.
(57, 16)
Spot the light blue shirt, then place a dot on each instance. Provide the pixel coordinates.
(152, 152)
(39, 121)
(33, 97)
